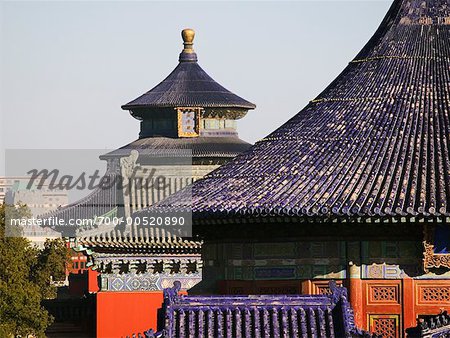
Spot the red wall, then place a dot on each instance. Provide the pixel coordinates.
(120, 314)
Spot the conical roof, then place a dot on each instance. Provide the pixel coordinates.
(374, 143)
(189, 86)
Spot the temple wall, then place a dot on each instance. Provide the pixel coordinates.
(387, 285)
(311, 260)
(120, 314)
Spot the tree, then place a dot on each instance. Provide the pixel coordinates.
(51, 266)
(25, 277)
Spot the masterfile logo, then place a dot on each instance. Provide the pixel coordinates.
(74, 193)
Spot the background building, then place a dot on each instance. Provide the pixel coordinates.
(14, 190)
(6, 184)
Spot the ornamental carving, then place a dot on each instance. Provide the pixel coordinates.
(128, 163)
(384, 293)
(375, 271)
(433, 294)
(435, 326)
(323, 288)
(188, 266)
(432, 260)
(188, 121)
(385, 327)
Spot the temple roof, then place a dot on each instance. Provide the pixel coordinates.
(100, 202)
(188, 86)
(374, 143)
(198, 147)
(253, 316)
(109, 245)
(153, 242)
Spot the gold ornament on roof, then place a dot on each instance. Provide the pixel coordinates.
(188, 35)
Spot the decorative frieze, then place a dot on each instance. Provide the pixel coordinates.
(149, 265)
(388, 271)
(147, 273)
(146, 282)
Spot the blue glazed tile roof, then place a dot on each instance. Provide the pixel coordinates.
(255, 316)
(374, 143)
(198, 147)
(189, 86)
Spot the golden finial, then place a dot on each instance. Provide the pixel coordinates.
(188, 54)
(188, 35)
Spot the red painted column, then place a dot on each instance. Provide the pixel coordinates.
(92, 281)
(408, 302)
(356, 295)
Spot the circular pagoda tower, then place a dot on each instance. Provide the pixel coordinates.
(192, 108)
(188, 122)
(188, 128)
(354, 188)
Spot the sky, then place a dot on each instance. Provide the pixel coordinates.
(67, 67)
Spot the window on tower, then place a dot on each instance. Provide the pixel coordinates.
(219, 124)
